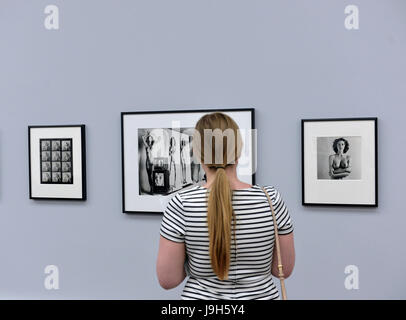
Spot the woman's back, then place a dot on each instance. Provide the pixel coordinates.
(249, 277)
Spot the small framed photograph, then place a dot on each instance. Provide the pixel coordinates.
(57, 162)
(157, 155)
(339, 162)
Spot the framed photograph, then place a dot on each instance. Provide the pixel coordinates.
(157, 155)
(339, 162)
(57, 162)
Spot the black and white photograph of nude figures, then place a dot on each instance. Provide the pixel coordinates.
(166, 162)
(157, 155)
(339, 158)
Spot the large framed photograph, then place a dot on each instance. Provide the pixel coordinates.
(157, 155)
(339, 162)
(57, 162)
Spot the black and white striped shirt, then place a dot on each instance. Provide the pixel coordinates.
(185, 220)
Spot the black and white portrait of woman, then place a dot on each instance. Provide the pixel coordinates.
(340, 162)
(195, 167)
(148, 143)
(339, 158)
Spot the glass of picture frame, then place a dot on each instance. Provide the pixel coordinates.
(157, 155)
(340, 162)
(57, 162)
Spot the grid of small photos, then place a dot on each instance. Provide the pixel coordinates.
(56, 161)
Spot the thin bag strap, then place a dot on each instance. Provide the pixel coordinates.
(278, 252)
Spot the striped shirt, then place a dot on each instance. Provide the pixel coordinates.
(185, 220)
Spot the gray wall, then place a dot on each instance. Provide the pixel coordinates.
(288, 59)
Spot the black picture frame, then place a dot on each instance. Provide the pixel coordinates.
(303, 173)
(82, 128)
(125, 113)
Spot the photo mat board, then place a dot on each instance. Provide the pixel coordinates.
(57, 162)
(157, 155)
(339, 162)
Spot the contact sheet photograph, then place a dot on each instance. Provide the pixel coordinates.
(57, 162)
(157, 155)
(339, 161)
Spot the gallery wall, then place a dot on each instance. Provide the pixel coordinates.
(287, 59)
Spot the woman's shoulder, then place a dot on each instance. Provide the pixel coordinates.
(273, 191)
(190, 192)
(270, 188)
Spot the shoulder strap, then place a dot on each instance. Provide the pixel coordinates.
(278, 252)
